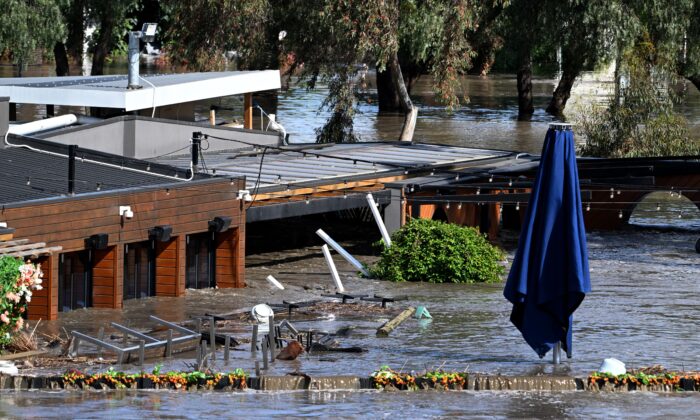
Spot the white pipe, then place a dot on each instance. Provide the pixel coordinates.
(343, 253)
(42, 125)
(378, 219)
(334, 271)
(274, 282)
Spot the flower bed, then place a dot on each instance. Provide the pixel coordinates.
(386, 377)
(640, 380)
(170, 380)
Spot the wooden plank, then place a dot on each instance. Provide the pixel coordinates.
(6, 244)
(22, 247)
(23, 355)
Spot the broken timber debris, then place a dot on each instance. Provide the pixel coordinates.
(389, 326)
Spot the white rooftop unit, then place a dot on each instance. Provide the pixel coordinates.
(158, 90)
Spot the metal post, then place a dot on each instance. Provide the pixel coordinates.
(264, 352)
(72, 149)
(196, 141)
(142, 351)
(254, 340)
(199, 356)
(212, 337)
(378, 219)
(198, 325)
(76, 346)
(134, 55)
(271, 338)
(169, 344)
(227, 343)
(334, 271)
(204, 354)
(100, 336)
(556, 353)
(257, 368)
(345, 254)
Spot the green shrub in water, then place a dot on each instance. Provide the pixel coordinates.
(438, 252)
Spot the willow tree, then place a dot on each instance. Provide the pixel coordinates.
(326, 39)
(640, 119)
(27, 26)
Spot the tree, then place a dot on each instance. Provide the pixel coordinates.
(586, 33)
(326, 39)
(112, 26)
(27, 26)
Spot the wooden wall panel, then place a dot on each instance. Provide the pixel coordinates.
(40, 306)
(167, 268)
(187, 208)
(104, 279)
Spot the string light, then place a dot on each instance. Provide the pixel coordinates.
(658, 206)
(345, 195)
(478, 191)
(448, 205)
(405, 172)
(148, 167)
(167, 191)
(619, 192)
(491, 178)
(307, 199)
(457, 177)
(612, 192)
(29, 181)
(619, 215)
(99, 186)
(517, 205)
(588, 206)
(680, 215)
(459, 206)
(510, 182)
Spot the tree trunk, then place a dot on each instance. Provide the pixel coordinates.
(562, 93)
(75, 20)
(103, 45)
(695, 80)
(409, 124)
(387, 94)
(525, 107)
(61, 58)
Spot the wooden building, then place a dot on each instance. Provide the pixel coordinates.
(129, 229)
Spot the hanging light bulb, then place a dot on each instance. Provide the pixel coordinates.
(99, 186)
(167, 191)
(148, 167)
(459, 206)
(491, 178)
(588, 206)
(612, 192)
(517, 205)
(658, 206)
(619, 215)
(448, 205)
(307, 200)
(345, 195)
(457, 177)
(680, 215)
(618, 192)
(478, 191)
(29, 181)
(411, 189)
(510, 182)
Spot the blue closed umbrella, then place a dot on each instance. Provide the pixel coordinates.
(549, 277)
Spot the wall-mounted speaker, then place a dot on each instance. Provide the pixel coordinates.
(220, 224)
(161, 233)
(97, 241)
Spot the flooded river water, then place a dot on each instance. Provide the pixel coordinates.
(643, 308)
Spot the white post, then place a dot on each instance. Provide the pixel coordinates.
(378, 219)
(343, 253)
(274, 282)
(334, 271)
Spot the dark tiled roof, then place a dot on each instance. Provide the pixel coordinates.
(30, 175)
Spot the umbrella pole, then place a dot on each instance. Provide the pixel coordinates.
(556, 353)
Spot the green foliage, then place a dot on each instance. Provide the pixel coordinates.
(438, 252)
(26, 26)
(639, 120)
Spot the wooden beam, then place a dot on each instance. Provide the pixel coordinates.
(7, 244)
(248, 111)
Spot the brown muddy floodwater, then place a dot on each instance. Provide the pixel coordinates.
(643, 308)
